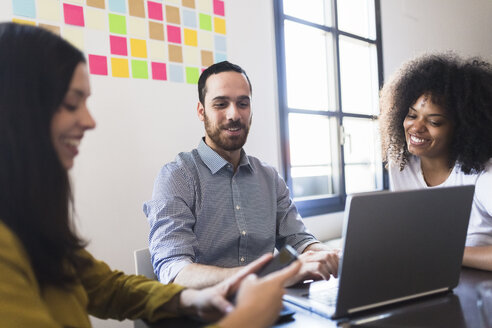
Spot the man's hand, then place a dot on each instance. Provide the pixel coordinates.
(317, 263)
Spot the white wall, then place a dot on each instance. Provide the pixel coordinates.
(143, 124)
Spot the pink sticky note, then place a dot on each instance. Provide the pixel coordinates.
(74, 15)
(159, 71)
(219, 7)
(155, 10)
(98, 65)
(173, 34)
(118, 45)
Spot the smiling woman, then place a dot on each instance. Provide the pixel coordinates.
(436, 114)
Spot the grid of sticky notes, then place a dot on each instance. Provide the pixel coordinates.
(165, 40)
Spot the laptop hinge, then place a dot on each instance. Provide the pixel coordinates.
(400, 299)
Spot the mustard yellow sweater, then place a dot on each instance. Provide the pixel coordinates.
(99, 291)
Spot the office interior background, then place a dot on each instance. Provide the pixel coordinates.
(144, 123)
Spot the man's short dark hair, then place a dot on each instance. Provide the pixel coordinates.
(217, 68)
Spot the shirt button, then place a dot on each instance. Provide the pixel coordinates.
(238, 207)
(242, 259)
(244, 233)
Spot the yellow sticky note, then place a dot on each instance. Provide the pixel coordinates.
(75, 36)
(190, 37)
(119, 67)
(138, 48)
(23, 21)
(49, 10)
(219, 25)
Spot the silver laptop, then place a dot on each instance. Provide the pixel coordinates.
(397, 246)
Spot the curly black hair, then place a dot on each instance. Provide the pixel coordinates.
(462, 87)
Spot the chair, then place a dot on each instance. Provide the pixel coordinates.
(143, 266)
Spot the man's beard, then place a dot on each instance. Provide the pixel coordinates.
(230, 143)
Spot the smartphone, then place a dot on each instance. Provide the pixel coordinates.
(282, 259)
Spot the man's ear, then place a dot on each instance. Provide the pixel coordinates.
(200, 110)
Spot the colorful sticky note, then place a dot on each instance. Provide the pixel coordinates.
(205, 6)
(172, 15)
(176, 73)
(118, 45)
(219, 25)
(96, 3)
(118, 6)
(192, 75)
(205, 22)
(219, 57)
(219, 7)
(52, 28)
(24, 8)
(220, 43)
(74, 15)
(190, 37)
(140, 69)
(136, 8)
(75, 36)
(173, 34)
(207, 58)
(156, 31)
(117, 24)
(23, 21)
(49, 10)
(155, 10)
(138, 48)
(159, 71)
(137, 27)
(189, 3)
(157, 50)
(175, 53)
(96, 19)
(98, 65)
(119, 67)
(191, 56)
(189, 18)
(205, 40)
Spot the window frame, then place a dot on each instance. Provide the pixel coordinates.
(334, 203)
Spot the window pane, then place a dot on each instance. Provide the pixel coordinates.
(358, 76)
(357, 17)
(310, 152)
(315, 11)
(309, 67)
(363, 169)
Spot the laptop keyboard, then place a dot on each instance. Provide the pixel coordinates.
(326, 296)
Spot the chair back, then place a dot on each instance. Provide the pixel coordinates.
(143, 265)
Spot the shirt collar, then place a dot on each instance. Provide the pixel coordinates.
(215, 162)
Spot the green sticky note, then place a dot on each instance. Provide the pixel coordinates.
(205, 22)
(117, 24)
(192, 75)
(140, 69)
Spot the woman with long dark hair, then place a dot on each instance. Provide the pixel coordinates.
(436, 131)
(47, 278)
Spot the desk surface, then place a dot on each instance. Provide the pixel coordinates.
(457, 309)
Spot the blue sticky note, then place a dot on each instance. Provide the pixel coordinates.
(189, 18)
(176, 73)
(220, 43)
(219, 57)
(118, 6)
(24, 8)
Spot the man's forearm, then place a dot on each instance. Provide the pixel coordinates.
(478, 257)
(199, 276)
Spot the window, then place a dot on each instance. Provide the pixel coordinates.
(329, 71)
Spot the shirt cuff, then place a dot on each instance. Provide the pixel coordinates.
(304, 245)
(168, 274)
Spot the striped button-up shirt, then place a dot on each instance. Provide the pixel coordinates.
(203, 212)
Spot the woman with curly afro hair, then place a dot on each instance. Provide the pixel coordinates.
(436, 131)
